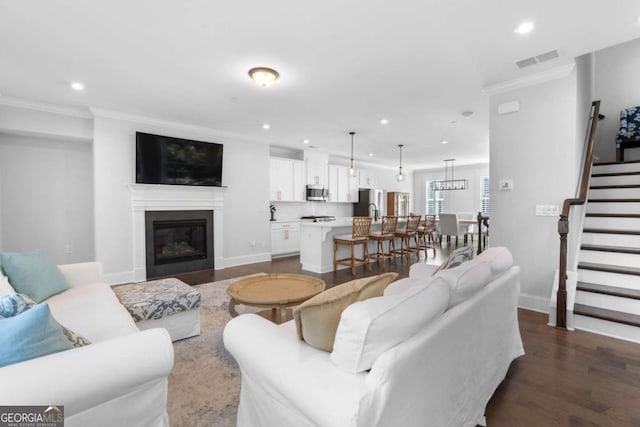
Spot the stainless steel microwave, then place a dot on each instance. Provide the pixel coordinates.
(317, 193)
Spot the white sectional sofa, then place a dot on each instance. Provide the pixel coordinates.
(120, 379)
(442, 375)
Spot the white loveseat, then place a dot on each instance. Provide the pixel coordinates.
(120, 379)
(444, 375)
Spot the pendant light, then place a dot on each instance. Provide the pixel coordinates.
(401, 176)
(352, 170)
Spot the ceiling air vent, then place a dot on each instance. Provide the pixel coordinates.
(547, 56)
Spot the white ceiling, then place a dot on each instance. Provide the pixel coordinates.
(344, 65)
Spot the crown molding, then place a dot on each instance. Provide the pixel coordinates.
(45, 108)
(134, 118)
(530, 80)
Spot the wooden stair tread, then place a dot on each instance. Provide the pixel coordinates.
(609, 268)
(598, 175)
(613, 200)
(611, 231)
(604, 314)
(613, 186)
(615, 163)
(609, 290)
(613, 215)
(617, 249)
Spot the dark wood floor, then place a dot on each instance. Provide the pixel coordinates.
(566, 378)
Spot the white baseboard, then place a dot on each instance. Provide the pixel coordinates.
(534, 303)
(119, 278)
(246, 259)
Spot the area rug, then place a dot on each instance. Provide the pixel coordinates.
(204, 385)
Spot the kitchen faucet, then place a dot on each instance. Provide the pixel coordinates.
(375, 211)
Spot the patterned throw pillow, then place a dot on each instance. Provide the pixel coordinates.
(14, 304)
(456, 258)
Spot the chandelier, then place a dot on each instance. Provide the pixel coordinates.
(449, 183)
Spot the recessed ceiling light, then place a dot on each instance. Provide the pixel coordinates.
(524, 28)
(77, 86)
(266, 126)
(384, 121)
(444, 141)
(306, 141)
(370, 154)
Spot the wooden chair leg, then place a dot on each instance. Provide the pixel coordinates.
(366, 254)
(353, 260)
(392, 243)
(335, 257)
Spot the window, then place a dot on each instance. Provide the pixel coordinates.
(435, 201)
(485, 191)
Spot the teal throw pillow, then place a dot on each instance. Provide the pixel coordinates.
(31, 334)
(33, 275)
(14, 304)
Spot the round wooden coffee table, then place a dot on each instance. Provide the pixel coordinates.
(276, 292)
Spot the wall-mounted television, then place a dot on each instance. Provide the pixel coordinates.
(176, 161)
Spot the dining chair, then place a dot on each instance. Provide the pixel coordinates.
(359, 236)
(448, 225)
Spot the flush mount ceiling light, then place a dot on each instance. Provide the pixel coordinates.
(384, 121)
(449, 184)
(77, 86)
(524, 28)
(306, 141)
(352, 170)
(401, 176)
(265, 77)
(444, 141)
(266, 126)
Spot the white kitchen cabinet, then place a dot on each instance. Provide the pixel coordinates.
(285, 238)
(286, 180)
(317, 165)
(343, 188)
(367, 179)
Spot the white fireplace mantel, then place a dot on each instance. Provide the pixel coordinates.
(149, 197)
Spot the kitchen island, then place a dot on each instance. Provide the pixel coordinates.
(316, 244)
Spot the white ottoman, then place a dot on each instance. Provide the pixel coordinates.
(165, 303)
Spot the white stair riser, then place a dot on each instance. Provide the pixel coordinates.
(609, 302)
(610, 258)
(610, 223)
(628, 281)
(616, 168)
(616, 180)
(614, 193)
(626, 240)
(613, 207)
(604, 327)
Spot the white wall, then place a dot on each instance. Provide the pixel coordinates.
(245, 172)
(46, 197)
(537, 149)
(616, 85)
(456, 200)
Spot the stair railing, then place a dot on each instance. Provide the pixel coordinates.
(483, 221)
(563, 222)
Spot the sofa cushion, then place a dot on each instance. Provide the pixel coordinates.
(93, 311)
(5, 286)
(369, 328)
(33, 333)
(498, 258)
(465, 280)
(33, 274)
(402, 285)
(317, 318)
(14, 304)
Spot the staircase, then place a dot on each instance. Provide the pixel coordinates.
(608, 289)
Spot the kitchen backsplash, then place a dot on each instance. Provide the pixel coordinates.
(289, 210)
